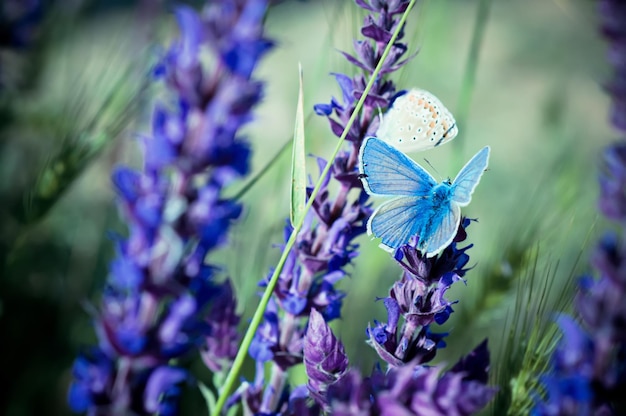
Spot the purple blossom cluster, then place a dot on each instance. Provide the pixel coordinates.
(419, 298)
(408, 386)
(410, 389)
(161, 303)
(305, 287)
(325, 246)
(588, 374)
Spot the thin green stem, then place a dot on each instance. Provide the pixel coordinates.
(469, 77)
(258, 314)
(267, 166)
(263, 171)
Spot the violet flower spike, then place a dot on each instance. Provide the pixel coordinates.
(410, 390)
(325, 360)
(156, 306)
(419, 298)
(325, 246)
(414, 390)
(588, 373)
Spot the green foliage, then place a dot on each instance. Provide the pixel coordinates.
(531, 334)
(79, 122)
(69, 97)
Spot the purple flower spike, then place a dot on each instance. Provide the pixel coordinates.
(406, 391)
(159, 292)
(326, 244)
(588, 372)
(223, 340)
(325, 360)
(423, 390)
(613, 14)
(352, 395)
(419, 298)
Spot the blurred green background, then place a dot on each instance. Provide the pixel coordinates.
(75, 100)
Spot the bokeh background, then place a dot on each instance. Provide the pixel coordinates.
(76, 95)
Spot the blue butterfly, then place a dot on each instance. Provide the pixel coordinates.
(420, 205)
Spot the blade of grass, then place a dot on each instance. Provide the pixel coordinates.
(298, 167)
(258, 315)
(207, 394)
(469, 76)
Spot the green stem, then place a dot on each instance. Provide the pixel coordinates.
(469, 77)
(267, 166)
(258, 314)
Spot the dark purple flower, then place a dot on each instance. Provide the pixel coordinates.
(268, 343)
(222, 343)
(408, 390)
(157, 304)
(612, 200)
(613, 16)
(418, 297)
(325, 360)
(475, 365)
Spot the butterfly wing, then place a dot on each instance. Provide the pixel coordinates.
(396, 220)
(439, 232)
(387, 171)
(467, 179)
(416, 121)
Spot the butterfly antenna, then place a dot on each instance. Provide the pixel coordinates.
(431, 165)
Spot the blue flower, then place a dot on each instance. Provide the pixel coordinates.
(160, 291)
(588, 372)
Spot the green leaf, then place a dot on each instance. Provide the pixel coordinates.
(298, 168)
(208, 395)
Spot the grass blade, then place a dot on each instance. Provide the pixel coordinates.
(298, 167)
(469, 77)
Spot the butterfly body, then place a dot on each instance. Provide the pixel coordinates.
(441, 194)
(420, 206)
(417, 120)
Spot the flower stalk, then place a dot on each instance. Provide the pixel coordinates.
(271, 284)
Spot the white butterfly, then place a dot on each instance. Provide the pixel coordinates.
(417, 121)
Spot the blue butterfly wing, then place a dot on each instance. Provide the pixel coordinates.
(440, 230)
(467, 179)
(396, 220)
(387, 171)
